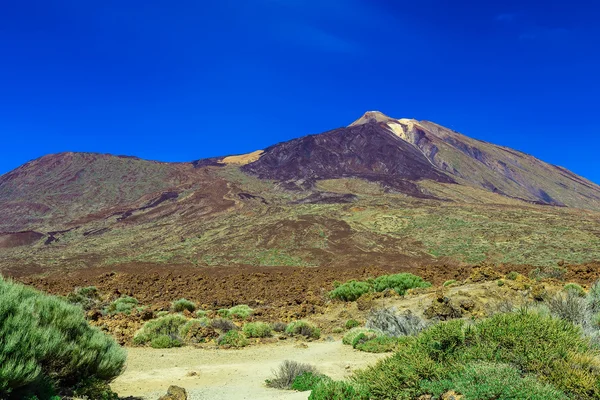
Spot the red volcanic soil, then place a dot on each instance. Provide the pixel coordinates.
(15, 239)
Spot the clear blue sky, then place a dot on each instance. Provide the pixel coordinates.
(182, 80)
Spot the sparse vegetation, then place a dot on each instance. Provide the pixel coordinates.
(46, 344)
(303, 328)
(449, 282)
(288, 372)
(400, 283)
(257, 330)
(85, 297)
(279, 326)
(123, 305)
(513, 275)
(183, 304)
(549, 272)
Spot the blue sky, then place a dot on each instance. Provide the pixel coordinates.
(178, 81)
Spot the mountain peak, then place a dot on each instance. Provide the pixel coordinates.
(371, 117)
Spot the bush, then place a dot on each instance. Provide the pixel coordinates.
(350, 291)
(552, 351)
(548, 273)
(352, 323)
(568, 306)
(86, 297)
(489, 381)
(94, 389)
(161, 313)
(165, 342)
(450, 282)
(353, 333)
(593, 298)
(46, 343)
(379, 344)
(386, 320)
(400, 283)
(513, 275)
(224, 325)
(308, 381)
(336, 390)
(123, 305)
(241, 311)
(279, 326)
(500, 282)
(286, 374)
(183, 304)
(575, 288)
(303, 328)
(201, 313)
(233, 339)
(257, 330)
(168, 325)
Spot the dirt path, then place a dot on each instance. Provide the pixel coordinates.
(231, 374)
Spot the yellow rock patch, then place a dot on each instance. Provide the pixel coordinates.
(243, 159)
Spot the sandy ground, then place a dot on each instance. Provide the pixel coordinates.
(231, 374)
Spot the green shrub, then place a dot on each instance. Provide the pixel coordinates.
(513, 275)
(353, 333)
(161, 313)
(308, 381)
(287, 373)
(169, 325)
(257, 330)
(500, 282)
(185, 329)
(489, 381)
(352, 323)
(123, 305)
(233, 339)
(165, 342)
(575, 288)
(86, 297)
(593, 298)
(379, 344)
(303, 328)
(46, 343)
(350, 291)
(94, 389)
(241, 311)
(183, 304)
(450, 282)
(201, 313)
(337, 390)
(400, 283)
(550, 350)
(337, 329)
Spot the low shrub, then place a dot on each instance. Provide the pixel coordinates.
(548, 273)
(353, 333)
(513, 275)
(568, 306)
(241, 311)
(233, 339)
(308, 381)
(379, 344)
(593, 298)
(183, 304)
(95, 389)
(338, 390)
(388, 322)
(500, 282)
(165, 342)
(161, 313)
(490, 381)
(223, 325)
(286, 374)
(279, 326)
(46, 344)
(350, 291)
(123, 305)
(352, 323)
(575, 288)
(303, 328)
(86, 297)
(450, 282)
(549, 350)
(400, 283)
(257, 330)
(168, 325)
(201, 313)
